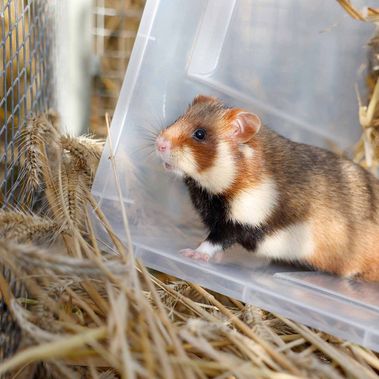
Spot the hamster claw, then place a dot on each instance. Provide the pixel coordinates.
(201, 257)
(190, 253)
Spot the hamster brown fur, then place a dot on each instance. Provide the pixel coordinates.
(280, 199)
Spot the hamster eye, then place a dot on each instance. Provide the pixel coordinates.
(199, 134)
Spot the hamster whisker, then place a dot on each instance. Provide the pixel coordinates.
(147, 147)
(153, 127)
(149, 134)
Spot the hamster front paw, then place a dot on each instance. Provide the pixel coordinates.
(189, 253)
(204, 252)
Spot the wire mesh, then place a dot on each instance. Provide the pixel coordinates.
(115, 25)
(26, 77)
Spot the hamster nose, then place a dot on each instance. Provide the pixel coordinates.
(162, 144)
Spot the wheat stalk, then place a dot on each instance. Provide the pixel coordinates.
(22, 227)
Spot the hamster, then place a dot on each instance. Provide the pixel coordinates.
(277, 198)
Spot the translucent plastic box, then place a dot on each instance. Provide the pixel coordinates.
(296, 64)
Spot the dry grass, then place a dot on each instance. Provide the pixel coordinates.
(113, 45)
(367, 149)
(84, 313)
(68, 309)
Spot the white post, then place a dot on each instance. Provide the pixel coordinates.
(74, 19)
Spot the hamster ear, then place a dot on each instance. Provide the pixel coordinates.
(245, 125)
(202, 99)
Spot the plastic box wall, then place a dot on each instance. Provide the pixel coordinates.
(296, 64)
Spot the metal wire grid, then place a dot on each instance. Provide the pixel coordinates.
(26, 77)
(115, 25)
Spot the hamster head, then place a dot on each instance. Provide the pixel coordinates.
(204, 143)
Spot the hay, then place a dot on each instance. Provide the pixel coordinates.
(70, 310)
(367, 149)
(115, 29)
(85, 313)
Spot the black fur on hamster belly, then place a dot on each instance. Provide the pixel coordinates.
(213, 210)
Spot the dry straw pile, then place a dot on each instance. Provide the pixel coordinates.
(115, 25)
(367, 149)
(70, 310)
